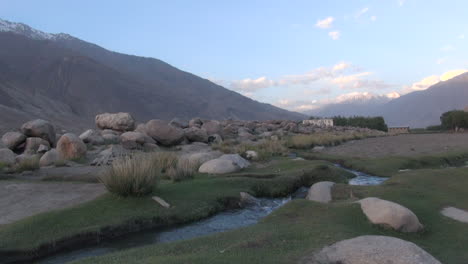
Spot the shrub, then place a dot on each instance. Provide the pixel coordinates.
(135, 175)
(377, 123)
(164, 160)
(28, 164)
(182, 171)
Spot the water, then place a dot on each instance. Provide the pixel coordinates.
(363, 178)
(221, 222)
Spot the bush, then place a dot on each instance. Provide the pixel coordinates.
(28, 164)
(453, 120)
(164, 160)
(182, 171)
(135, 175)
(377, 123)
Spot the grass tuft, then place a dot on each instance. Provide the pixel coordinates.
(28, 164)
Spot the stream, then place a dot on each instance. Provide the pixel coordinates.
(221, 222)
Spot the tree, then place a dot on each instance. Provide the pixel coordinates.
(377, 122)
(454, 120)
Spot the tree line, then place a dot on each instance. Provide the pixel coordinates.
(377, 122)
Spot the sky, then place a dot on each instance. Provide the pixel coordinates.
(298, 55)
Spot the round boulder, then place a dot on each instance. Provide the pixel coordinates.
(39, 128)
(219, 166)
(34, 143)
(195, 134)
(92, 137)
(212, 127)
(116, 121)
(49, 158)
(236, 159)
(132, 140)
(320, 192)
(163, 133)
(70, 147)
(382, 212)
(12, 139)
(196, 122)
(7, 157)
(372, 250)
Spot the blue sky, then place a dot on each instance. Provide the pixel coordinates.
(294, 54)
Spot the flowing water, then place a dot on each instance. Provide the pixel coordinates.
(224, 221)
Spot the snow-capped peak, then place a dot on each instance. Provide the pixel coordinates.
(25, 30)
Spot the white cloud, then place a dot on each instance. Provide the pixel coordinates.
(393, 95)
(461, 36)
(342, 66)
(362, 12)
(447, 48)
(335, 35)
(431, 80)
(401, 2)
(373, 18)
(451, 74)
(251, 85)
(441, 60)
(325, 23)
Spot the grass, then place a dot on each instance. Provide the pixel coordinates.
(27, 164)
(135, 175)
(302, 227)
(190, 200)
(183, 170)
(266, 149)
(322, 139)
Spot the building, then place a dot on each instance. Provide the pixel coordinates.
(398, 130)
(318, 122)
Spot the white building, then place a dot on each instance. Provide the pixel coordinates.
(318, 122)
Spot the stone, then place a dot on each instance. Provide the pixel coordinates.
(115, 121)
(107, 156)
(110, 139)
(382, 212)
(251, 155)
(236, 159)
(455, 214)
(43, 149)
(215, 139)
(110, 132)
(371, 250)
(11, 140)
(150, 147)
(161, 202)
(195, 134)
(141, 128)
(211, 127)
(39, 128)
(219, 166)
(247, 199)
(176, 122)
(163, 133)
(196, 122)
(133, 140)
(202, 157)
(7, 156)
(92, 137)
(320, 192)
(33, 144)
(70, 147)
(49, 158)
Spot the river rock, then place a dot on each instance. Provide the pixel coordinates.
(195, 134)
(7, 157)
(115, 121)
(371, 250)
(92, 137)
(34, 143)
(247, 199)
(163, 133)
(382, 212)
(219, 166)
(39, 128)
(70, 146)
(49, 158)
(236, 159)
(12, 139)
(320, 192)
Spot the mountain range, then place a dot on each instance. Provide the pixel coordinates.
(416, 109)
(68, 81)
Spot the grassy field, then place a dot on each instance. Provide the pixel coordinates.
(191, 200)
(301, 227)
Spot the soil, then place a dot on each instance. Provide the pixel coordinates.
(402, 145)
(19, 199)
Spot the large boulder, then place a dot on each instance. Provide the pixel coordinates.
(176, 122)
(34, 143)
(110, 139)
(219, 166)
(49, 158)
(39, 128)
(320, 192)
(12, 139)
(195, 134)
(212, 127)
(164, 133)
(132, 140)
(70, 147)
(196, 122)
(382, 212)
(371, 250)
(236, 159)
(7, 157)
(116, 121)
(202, 157)
(92, 137)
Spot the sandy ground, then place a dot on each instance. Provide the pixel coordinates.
(20, 199)
(402, 145)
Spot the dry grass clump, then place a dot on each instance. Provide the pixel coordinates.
(322, 139)
(28, 164)
(135, 175)
(164, 160)
(182, 171)
(265, 149)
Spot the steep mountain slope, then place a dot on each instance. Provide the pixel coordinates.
(69, 81)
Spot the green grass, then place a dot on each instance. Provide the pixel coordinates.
(266, 149)
(302, 227)
(190, 200)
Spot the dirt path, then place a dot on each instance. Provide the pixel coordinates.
(19, 199)
(402, 145)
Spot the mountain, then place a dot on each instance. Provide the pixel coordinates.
(416, 109)
(68, 81)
